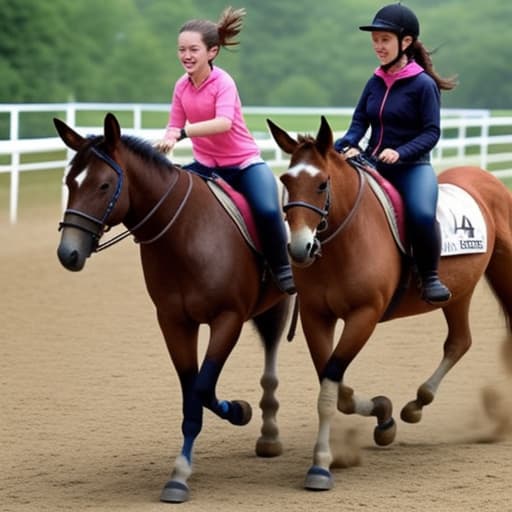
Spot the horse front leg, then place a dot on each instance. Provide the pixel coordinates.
(334, 395)
(176, 490)
(378, 406)
(181, 340)
(224, 333)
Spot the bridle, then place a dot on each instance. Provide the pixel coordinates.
(95, 226)
(324, 212)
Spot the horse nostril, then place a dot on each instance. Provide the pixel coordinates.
(315, 249)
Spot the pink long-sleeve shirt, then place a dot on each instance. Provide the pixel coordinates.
(217, 96)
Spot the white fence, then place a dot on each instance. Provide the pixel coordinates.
(468, 137)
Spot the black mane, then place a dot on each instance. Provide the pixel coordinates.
(140, 147)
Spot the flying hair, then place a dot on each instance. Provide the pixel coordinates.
(222, 33)
(423, 57)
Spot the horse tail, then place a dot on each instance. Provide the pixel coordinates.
(499, 269)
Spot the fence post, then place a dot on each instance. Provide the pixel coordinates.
(15, 166)
(484, 142)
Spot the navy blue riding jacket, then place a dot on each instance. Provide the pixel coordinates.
(403, 111)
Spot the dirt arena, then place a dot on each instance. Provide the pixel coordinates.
(91, 408)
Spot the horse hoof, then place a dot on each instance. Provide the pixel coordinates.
(243, 412)
(411, 413)
(385, 434)
(268, 448)
(318, 479)
(175, 492)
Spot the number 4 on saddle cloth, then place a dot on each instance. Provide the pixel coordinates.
(463, 229)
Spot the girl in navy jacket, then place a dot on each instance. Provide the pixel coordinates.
(401, 105)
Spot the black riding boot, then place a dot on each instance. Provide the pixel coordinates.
(275, 251)
(433, 290)
(427, 257)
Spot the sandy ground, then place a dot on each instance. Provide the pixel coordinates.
(91, 409)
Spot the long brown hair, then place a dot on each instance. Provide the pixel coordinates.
(423, 57)
(219, 34)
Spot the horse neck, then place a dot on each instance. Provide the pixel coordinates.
(345, 189)
(148, 185)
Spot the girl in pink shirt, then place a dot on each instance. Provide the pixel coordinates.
(206, 107)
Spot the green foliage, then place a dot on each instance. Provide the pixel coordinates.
(291, 53)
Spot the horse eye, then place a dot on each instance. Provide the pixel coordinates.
(104, 186)
(322, 187)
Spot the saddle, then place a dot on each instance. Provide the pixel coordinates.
(463, 228)
(235, 205)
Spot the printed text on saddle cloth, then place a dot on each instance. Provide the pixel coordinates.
(463, 229)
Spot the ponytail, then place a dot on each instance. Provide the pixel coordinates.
(423, 57)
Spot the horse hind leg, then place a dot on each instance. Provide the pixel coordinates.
(270, 326)
(496, 397)
(458, 341)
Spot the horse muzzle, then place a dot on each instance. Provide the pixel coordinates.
(74, 248)
(304, 248)
(79, 239)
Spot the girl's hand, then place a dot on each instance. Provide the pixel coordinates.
(389, 156)
(352, 152)
(164, 146)
(172, 135)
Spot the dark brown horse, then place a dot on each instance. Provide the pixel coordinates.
(197, 266)
(347, 266)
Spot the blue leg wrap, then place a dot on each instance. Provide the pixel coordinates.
(205, 387)
(192, 415)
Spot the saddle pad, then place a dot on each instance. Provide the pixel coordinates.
(396, 222)
(228, 203)
(463, 229)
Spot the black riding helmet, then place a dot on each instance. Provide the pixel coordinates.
(399, 20)
(396, 18)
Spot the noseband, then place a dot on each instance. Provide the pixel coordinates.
(324, 212)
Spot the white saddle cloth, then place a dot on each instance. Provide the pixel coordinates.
(463, 229)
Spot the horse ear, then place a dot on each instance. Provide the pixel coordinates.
(324, 139)
(284, 141)
(112, 131)
(71, 138)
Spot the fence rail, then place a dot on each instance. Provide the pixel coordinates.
(468, 136)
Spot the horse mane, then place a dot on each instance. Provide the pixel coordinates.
(305, 139)
(140, 147)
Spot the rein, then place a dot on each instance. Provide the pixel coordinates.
(128, 232)
(352, 212)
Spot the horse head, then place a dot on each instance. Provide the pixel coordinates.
(97, 198)
(307, 182)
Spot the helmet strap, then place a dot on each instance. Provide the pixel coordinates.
(386, 67)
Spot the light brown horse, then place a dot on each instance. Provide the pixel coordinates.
(350, 267)
(198, 269)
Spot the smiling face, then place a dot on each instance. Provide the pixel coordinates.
(194, 55)
(385, 45)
